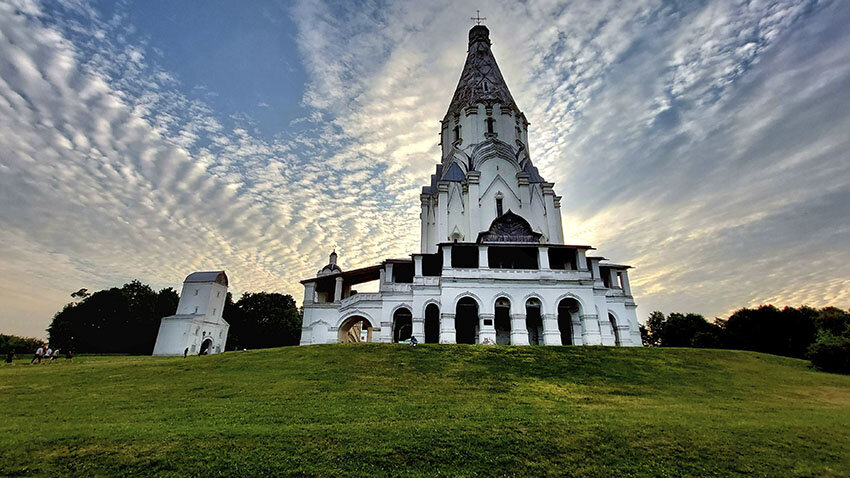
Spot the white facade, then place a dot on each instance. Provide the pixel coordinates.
(198, 326)
(493, 266)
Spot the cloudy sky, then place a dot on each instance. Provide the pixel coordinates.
(705, 143)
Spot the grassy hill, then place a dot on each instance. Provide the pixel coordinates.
(433, 410)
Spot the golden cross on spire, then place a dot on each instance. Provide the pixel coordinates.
(477, 18)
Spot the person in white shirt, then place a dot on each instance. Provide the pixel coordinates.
(38, 355)
(55, 355)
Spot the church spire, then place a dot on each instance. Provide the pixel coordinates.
(481, 81)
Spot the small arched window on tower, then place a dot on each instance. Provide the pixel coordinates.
(457, 132)
(485, 86)
(490, 124)
(499, 211)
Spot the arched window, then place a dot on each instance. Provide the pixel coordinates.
(457, 132)
(614, 327)
(568, 310)
(432, 324)
(499, 206)
(490, 124)
(402, 325)
(503, 321)
(534, 322)
(466, 321)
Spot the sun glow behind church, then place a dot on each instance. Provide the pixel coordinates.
(706, 146)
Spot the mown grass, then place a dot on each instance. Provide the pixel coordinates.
(376, 410)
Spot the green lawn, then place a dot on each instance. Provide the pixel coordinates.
(368, 410)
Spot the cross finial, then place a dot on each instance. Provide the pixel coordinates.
(477, 18)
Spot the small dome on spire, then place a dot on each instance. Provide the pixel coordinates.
(479, 33)
(331, 268)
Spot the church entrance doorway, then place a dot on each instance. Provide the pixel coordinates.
(355, 329)
(614, 327)
(534, 322)
(503, 321)
(432, 324)
(568, 309)
(466, 321)
(205, 347)
(402, 325)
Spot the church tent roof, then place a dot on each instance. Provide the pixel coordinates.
(481, 81)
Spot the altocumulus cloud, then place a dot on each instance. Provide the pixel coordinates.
(705, 145)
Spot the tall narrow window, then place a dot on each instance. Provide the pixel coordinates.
(485, 86)
(457, 132)
(498, 207)
(490, 123)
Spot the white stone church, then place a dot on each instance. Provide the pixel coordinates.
(493, 266)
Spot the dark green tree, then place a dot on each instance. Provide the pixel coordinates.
(262, 320)
(124, 320)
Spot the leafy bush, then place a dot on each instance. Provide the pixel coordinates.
(831, 353)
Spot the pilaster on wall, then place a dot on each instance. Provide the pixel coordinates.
(486, 333)
(519, 334)
(551, 334)
(551, 217)
(448, 335)
(523, 192)
(591, 334)
(419, 329)
(425, 203)
(442, 212)
(473, 210)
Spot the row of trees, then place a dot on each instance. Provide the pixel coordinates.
(821, 335)
(17, 344)
(126, 320)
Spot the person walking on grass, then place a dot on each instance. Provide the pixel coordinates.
(55, 355)
(10, 355)
(39, 353)
(68, 354)
(48, 354)
(413, 341)
(185, 352)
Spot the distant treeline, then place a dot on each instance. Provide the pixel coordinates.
(821, 335)
(126, 320)
(17, 344)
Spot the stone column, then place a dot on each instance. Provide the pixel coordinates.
(551, 334)
(486, 332)
(483, 260)
(447, 257)
(519, 334)
(543, 254)
(309, 292)
(448, 334)
(419, 329)
(338, 290)
(417, 266)
(582, 260)
(612, 279)
(627, 289)
(591, 333)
